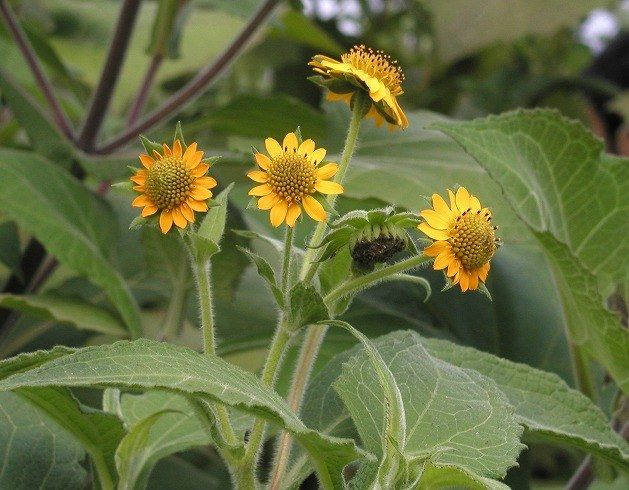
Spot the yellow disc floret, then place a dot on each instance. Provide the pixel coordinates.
(291, 176)
(474, 239)
(168, 183)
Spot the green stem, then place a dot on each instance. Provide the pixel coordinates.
(201, 270)
(361, 105)
(361, 282)
(174, 313)
(271, 368)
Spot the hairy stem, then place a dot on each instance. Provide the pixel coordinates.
(144, 90)
(196, 86)
(273, 360)
(109, 76)
(59, 116)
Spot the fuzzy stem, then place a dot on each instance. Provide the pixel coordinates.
(201, 270)
(272, 364)
(361, 282)
(145, 88)
(361, 105)
(32, 60)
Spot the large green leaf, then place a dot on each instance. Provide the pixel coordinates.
(149, 364)
(169, 425)
(463, 26)
(98, 432)
(9, 245)
(544, 404)
(73, 225)
(575, 198)
(37, 453)
(74, 311)
(454, 416)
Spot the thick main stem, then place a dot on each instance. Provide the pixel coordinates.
(196, 86)
(32, 60)
(109, 76)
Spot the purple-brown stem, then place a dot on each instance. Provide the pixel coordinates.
(145, 89)
(59, 116)
(109, 76)
(196, 86)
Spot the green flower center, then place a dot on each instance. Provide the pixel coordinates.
(473, 239)
(292, 176)
(168, 182)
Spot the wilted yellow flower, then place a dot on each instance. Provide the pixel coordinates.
(174, 183)
(290, 177)
(369, 71)
(465, 238)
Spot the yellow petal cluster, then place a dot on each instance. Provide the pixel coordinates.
(289, 177)
(175, 183)
(370, 71)
(465, 239)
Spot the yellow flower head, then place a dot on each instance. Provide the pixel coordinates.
(369, 71)
(465, 238)
(290, 177)
(175, 183)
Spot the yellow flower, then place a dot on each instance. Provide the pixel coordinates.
(369, 71)
(174, 183)
(465, 238)
(290, 177)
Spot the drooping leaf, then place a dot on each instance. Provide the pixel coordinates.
(37, 453)
(454, 416)
(208, 237)
(543, 402)
(73, 225)
(266, 272)
(63, 309)
(306, 306)
(149, 365)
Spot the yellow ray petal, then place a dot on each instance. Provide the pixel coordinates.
(432, 233)
(195, 205)
(294, 210)
(258, 176)
(165, 221)
(141, 201)
(327, 171)
(278, 213)
(193, 160)
(263, 161)
(147, 161)
(317, 156)
(261, 190)
(207, 182)
(453, 268)
(273, 148)
(187, 212)
(475, 203)
(306, 148)
(464, 280)
(149, 210)
(455, 209)
(268, 201)
(436, 248)
(178, 218)
(440, 206)
(190, 151)
(437, 221)
(200, 193)
(290, 143)
(462, 199)
(443, 260)
(139, 179)
(177, 149)
(328, 187)
(314, 208)
(167, 151)
(473, 280)
(200, 170)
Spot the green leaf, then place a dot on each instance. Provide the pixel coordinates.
(37, 453)
(558, 181)
(165, 424)
(444, 476)
(300, 29)
(98, 432)
(454, 416)
(210, 233)
(266, 272)
(306, 306)
(73, 225)
(464, 26)
(153, 365)
(63, 309)
(543, 402)
(42, 134)
(9, 245)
